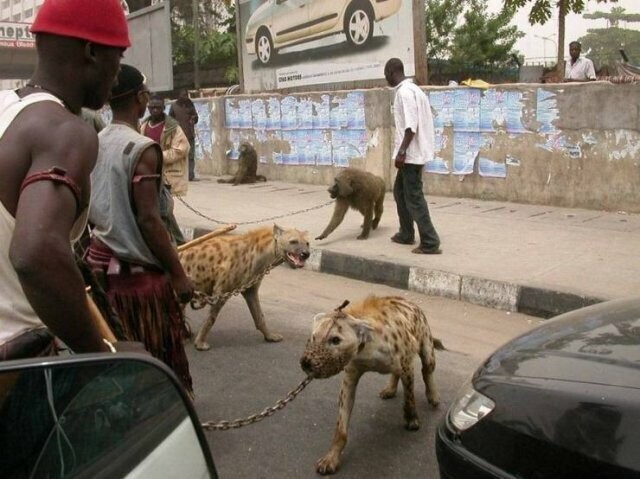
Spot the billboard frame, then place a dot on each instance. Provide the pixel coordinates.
(420, 59)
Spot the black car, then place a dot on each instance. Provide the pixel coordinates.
(561, 401)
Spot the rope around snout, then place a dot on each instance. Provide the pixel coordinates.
(237, 423)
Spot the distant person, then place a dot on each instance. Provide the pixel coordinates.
(46, 155)
(578, 69)
(414, 146)
(184, 111)
(166, 131)
(130, 247)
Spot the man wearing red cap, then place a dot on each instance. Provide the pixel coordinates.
(46, 154)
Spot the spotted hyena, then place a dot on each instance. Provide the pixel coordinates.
(381, 334)
(225, 263)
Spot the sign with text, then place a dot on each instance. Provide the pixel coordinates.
(296, 43)
(16, 35)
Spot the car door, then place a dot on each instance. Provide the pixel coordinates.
(324, 16)
(290, 21)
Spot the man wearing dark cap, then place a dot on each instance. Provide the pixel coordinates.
(46, 155)
(130, 247)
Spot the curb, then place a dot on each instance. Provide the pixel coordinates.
(539, 302)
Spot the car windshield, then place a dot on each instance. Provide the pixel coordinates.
(77, 419)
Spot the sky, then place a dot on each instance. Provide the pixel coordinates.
(535, 48)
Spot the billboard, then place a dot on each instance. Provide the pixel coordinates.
(295, 43)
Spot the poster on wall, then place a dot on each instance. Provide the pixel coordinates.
(293, 43)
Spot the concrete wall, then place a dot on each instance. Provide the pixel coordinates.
(575, 145)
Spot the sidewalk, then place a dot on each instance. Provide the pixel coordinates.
(539, 260)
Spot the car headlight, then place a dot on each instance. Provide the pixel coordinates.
(469, 408)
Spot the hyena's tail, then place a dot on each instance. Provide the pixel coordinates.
(437, 344)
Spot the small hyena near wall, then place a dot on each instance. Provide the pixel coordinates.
(381, 334)
(225, 263)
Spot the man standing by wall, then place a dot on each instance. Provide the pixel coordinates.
(129, 247)
(578, 69)
(414, 146)
(46, 155)
(184, 111)
(166, 131)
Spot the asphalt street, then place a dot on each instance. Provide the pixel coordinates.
(242, 375)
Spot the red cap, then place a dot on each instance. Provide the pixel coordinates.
(97, 21)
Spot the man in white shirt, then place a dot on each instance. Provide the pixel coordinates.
(578, 69)
(414, 146)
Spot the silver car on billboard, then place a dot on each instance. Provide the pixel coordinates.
(280, 23)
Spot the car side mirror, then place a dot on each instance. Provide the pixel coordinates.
(98, 416)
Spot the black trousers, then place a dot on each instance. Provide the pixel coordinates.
(412, 207)
(192, 160)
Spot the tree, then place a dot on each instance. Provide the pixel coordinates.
(603, 44)
(485, 38)
(541, 12)
(614, 17)
(441, 19)
(463, 32)
(217, 35)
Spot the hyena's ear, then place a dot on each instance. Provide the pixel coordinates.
(317, 318)
(277, 231)
(344, 304)
(362, 329)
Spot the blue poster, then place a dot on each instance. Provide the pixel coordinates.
(244, 113)
(355, 110)
(259, 114)
(322, 113)
(491, 110)
(513, 112)
(437, 165)
(231, 113)
(305, 113)
(273, 114)
(339, 113)
(466, 147)
(491, 169)
(203, 141)
(289, 113)
(546, 111)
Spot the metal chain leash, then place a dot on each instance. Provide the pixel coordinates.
(271, 218)
(200, 299)
(226, 425)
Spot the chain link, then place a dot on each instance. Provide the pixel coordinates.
(271, 218)
(226, 425)
(200, 299)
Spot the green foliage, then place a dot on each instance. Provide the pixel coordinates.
(484, 38)
(541, 9)
(232, 75)
(215, 46)
(441, 18)
(463, 32)
(602, 45)
(614, 17)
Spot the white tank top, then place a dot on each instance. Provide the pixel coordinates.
(16, 314)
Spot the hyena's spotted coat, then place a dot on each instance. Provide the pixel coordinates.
(225, 263)
(381, 334)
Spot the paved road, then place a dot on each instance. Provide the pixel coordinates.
(242, 374)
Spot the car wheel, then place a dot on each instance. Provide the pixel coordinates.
(358, 24)
(264, 47)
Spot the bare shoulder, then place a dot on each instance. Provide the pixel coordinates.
(60, 138)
